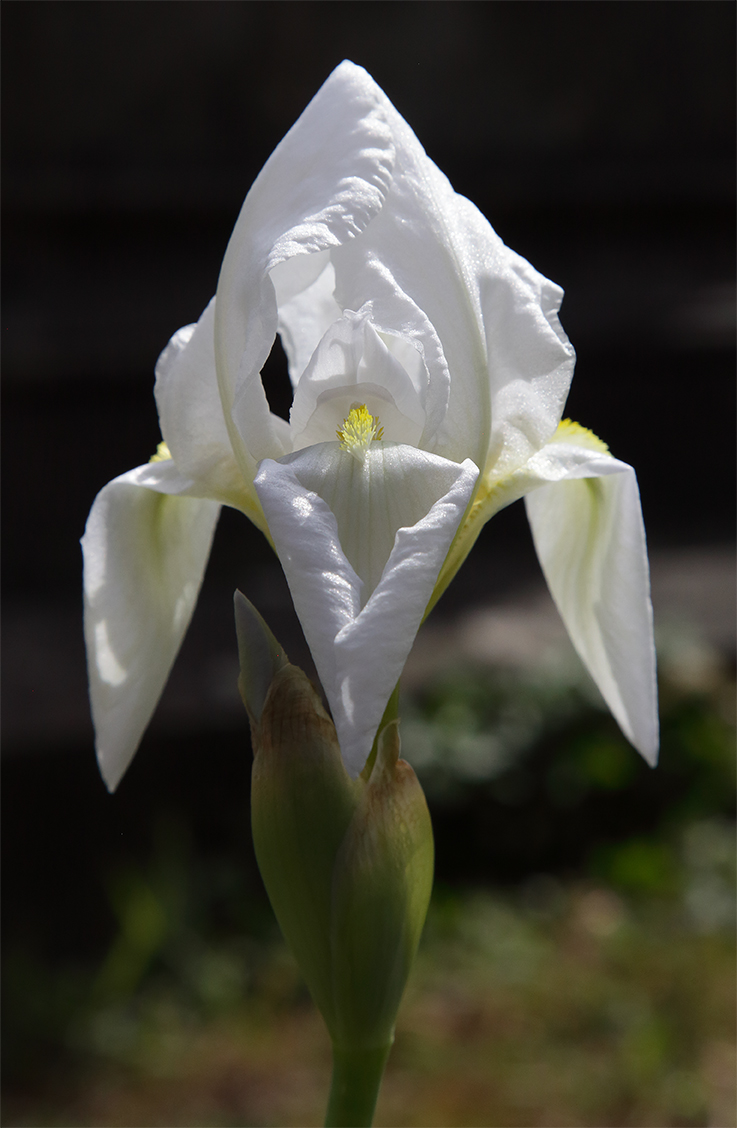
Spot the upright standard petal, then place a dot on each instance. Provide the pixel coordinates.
(304, 288)
(361, 544)
(483, 318)
(590, 540)
(322, 185)
(145, 550)
(530, 360)
(351, 364)
(192, 420)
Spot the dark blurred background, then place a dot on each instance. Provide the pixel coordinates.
(599, 140)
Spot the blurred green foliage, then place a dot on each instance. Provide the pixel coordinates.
(577, 966)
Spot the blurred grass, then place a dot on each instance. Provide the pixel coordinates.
(577, 967)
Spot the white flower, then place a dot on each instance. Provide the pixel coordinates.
(430, 374)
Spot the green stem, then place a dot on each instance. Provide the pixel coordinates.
(355, 1087)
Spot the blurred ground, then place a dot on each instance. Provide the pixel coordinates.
(566, 1003)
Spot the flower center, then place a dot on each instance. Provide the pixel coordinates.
(360, 428)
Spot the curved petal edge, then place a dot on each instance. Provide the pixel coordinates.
(361, 630)
(590, 540)
(145, 552)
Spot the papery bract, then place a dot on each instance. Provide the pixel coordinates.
(407, 322)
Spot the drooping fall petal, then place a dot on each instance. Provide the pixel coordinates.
(361, 544)
(590, 541)
(145, 553)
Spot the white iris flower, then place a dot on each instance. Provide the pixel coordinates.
(430, 374)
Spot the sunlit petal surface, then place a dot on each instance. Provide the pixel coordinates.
(590, 540)
(429, 371)
(361, 543)
(144, 557)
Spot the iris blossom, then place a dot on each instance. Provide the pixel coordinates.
(430, 374)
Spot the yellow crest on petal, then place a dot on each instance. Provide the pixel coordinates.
(570, 432)
(163, 454)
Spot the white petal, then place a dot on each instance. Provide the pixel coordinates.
(306, 304)
(438, 273)
(361, 546)
(192, 421)
(322, 185)
(590, 540)
(145, 550)
(555, 462)
(530, 358)
(350, 364)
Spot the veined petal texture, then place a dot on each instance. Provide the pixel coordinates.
(145, 551)
(361, 543)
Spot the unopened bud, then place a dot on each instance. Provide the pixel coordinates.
(382, 880)
(347, 863)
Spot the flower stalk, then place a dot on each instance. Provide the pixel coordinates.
(355, 1085)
